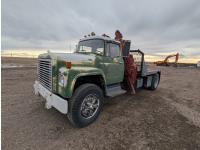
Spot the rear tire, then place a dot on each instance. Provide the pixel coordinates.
(85, 105)
(155, 81)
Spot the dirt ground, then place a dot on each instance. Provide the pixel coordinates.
(168, 118)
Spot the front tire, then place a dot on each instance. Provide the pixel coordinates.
(85, 105)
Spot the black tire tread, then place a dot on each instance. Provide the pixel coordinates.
(74, 100)
(153, 80)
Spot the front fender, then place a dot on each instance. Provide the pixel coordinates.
(73, 74)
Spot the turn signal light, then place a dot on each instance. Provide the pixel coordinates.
(68, 65)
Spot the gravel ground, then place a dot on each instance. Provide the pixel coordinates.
(168, 118)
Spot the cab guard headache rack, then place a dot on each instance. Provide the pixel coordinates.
(138, 56)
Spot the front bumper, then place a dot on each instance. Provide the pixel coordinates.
(52, 100)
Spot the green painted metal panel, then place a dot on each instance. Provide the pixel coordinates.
(111, 69)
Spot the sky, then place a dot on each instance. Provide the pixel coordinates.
(155, 26)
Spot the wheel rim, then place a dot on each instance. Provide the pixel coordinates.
(89, 106)
(156, 81)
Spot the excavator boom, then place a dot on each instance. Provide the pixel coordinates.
(165, 62)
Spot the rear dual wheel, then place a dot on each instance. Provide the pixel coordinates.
(155, 81)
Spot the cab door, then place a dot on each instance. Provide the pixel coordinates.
(113, 63)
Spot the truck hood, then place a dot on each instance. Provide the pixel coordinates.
(75, 58)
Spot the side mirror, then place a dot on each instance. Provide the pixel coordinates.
(100, 51)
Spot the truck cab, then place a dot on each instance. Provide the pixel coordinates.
(108, 56)
(76, 83)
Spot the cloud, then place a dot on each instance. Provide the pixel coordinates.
(155, 26)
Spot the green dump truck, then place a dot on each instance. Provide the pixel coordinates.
(76, 83)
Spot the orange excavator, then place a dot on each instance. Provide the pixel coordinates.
(166, 61)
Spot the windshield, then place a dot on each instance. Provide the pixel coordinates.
(91, 46)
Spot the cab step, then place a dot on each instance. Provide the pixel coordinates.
(114, 90)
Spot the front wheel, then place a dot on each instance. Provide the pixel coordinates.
(85, 105)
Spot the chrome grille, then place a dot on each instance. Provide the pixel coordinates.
(45, 73)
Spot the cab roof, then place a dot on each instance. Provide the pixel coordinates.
(99, 37)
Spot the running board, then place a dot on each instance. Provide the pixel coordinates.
(114, 90)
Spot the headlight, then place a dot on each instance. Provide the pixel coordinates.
(62, 76)
(61, 79)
